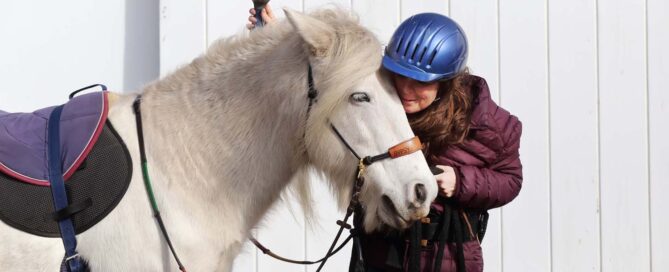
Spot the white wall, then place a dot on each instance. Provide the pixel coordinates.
(589, 81)
(50, 48)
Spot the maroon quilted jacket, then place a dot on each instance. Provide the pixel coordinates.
(488, 175)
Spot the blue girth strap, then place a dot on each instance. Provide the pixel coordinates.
(67, 233)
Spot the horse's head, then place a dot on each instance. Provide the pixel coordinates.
(358, 99)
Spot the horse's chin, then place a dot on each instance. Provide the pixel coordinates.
(387, 216)
(392, 221)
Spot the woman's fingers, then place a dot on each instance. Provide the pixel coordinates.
(267, 16)
(252, 23)
(446, 181)
(443, 190)
(269, 11)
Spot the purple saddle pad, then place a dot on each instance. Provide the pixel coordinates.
(23, 138)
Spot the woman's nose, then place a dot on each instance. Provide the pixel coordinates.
(404, 89)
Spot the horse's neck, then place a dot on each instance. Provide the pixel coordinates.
(228, 132)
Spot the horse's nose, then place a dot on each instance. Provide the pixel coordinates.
(419, 204)
(420, 193)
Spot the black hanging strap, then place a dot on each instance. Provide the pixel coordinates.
(443, 236)
(459, 233)
(147, 181)
(414, 246)
(357, 263)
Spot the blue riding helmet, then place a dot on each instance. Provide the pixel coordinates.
(427, 47)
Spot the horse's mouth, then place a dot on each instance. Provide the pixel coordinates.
(390, 211)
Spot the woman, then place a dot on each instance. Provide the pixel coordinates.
(473, 140)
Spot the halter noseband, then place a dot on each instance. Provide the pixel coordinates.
(404, 148)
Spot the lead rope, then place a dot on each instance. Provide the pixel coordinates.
(355, 201)
(443, 235)
(353, 205)
(147, 180)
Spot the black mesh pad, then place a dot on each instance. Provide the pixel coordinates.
(104, 178)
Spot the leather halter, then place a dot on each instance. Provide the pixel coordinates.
(404, 148)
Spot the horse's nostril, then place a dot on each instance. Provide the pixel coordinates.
(421, 193)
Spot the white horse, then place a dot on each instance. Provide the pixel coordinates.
(227, 133)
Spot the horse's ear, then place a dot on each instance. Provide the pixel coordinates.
(318, 35)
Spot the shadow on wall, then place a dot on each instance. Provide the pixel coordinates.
(141, 57)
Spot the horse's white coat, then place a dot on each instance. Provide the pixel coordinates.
(225, 135)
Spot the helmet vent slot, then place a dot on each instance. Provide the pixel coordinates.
(406, 48)
(413, 55)
(423, 54)
(399, 44)
(434, 53)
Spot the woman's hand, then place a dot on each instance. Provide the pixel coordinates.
(267, 16)
(446, 181)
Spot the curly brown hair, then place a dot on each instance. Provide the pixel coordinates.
(446, 121)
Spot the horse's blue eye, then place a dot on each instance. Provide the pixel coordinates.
(360, 97)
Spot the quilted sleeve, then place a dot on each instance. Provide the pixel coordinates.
(494, 186)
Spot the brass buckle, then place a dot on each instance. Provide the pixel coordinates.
(361, 168)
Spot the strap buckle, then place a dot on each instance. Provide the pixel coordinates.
(76, 255)
(361, 168)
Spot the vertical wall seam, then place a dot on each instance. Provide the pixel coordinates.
(306, 257)
(400, 13)
(548, 106)
(449, 8)
(398, 19)
(497, 74)
(305, 236)
(205, 15)
(599, 140)
(499, 83)
(161, 34)
(648, 150)
(256, 266)
(499, 52)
